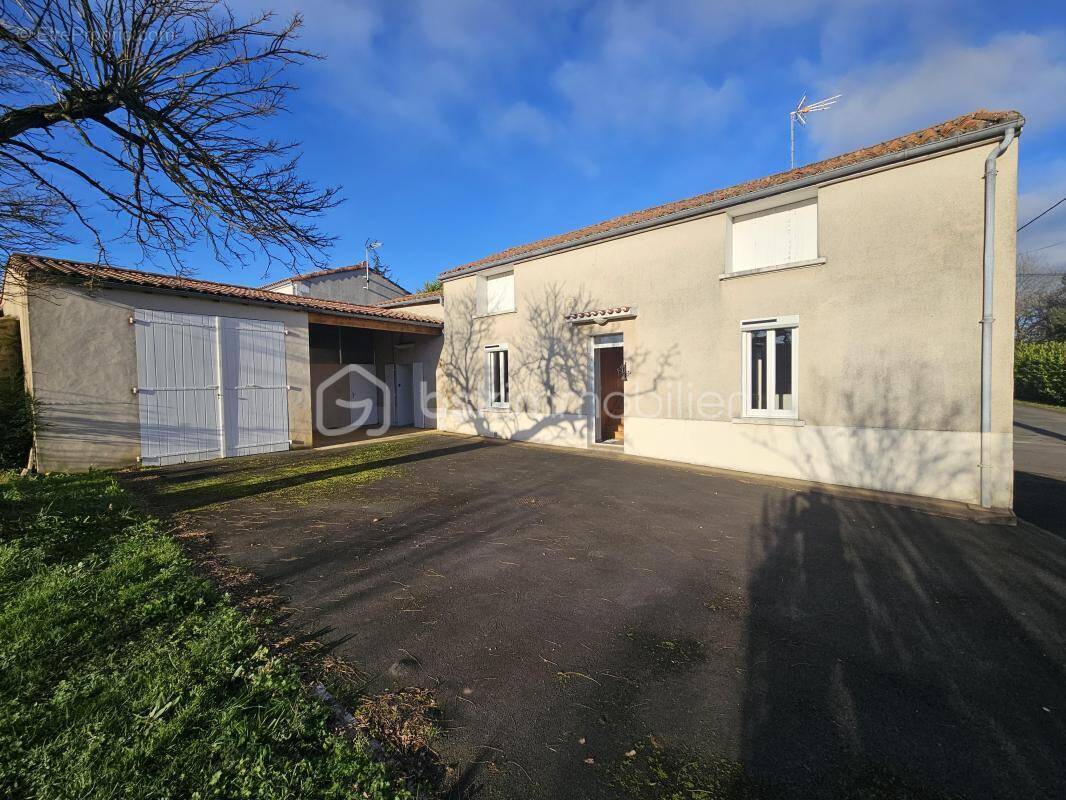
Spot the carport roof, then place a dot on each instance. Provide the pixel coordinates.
(26, 264)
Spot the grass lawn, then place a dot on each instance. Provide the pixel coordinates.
(124, 674)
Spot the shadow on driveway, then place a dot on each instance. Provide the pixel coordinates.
(568, 610)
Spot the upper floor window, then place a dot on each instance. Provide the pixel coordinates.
(776, 237)
(496, 293)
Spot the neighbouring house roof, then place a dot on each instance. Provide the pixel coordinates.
(102, 274)
(943, 132)
(321, 273)
(415, 298)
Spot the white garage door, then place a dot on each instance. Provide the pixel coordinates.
(254, 395)
(186, 412)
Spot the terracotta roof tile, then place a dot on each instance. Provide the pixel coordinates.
(968, 123)
(615, 311)
(407, 299)
(26, 264)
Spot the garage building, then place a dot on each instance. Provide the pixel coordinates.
(133, 367)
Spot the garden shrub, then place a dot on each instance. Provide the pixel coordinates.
(16, 426)
(1040, 372)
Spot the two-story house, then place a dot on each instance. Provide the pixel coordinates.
(846, 322)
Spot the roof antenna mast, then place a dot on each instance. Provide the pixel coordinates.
(370, 245)
(803, 108)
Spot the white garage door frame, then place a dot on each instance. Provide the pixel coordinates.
(255, 402)
(209, 386)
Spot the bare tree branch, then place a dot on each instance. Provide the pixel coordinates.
(1040, 310)
(166, 95)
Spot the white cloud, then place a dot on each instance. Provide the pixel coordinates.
(523, 121)
(569, 74)
(615, 66)
(1045, 239)
(328, 24)
(642, 71)
(1021, 71)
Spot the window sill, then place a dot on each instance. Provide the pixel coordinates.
(496, 313)
(814, 262)
(788, 422)
(496, 410)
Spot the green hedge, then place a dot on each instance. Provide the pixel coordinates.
(16, 427)
(1040, 372)
(16, 407)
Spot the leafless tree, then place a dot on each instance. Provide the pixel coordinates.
(147, 109)
(1040, 312)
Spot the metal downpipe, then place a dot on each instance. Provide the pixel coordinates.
(987, 317)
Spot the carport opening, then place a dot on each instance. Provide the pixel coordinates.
(368, 383)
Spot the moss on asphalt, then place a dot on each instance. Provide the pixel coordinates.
(653, 770)
(295, 479)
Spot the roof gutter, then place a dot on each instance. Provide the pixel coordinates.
(991, 132)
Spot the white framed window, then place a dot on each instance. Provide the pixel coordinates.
(497, 376)
(496, 293)
(771, 367)
(775, 237)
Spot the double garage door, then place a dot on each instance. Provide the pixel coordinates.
(210, 387)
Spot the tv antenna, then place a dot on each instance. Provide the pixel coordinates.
(371, 245)
(799, 115)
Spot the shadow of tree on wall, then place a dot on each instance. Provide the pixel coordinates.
(873, 440)
(552, 354)
(462, 360)
(550, 362)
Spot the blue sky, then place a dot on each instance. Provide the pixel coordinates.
(461, 127)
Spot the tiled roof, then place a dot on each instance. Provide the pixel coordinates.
(970, 123)
(409, 299)
(360, 267)
(26, 264)
(616, 311)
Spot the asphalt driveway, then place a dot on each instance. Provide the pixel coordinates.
(598, 627)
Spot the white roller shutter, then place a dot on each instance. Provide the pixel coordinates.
(783, 235)
(499, 293)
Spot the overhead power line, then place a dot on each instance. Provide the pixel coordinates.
(1042, 213)
(1045, 247)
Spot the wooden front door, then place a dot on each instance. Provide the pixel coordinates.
(612, 403)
